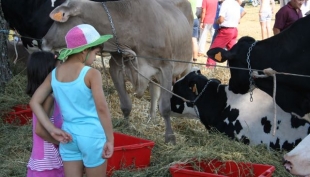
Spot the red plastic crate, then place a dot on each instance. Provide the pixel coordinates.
(129, 153)
(20, 115)
(215, 168)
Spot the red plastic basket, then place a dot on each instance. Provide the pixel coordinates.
(20, 115)
(215, 168)
(129, 153)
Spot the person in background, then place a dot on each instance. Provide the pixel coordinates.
(207, 20)
(45, 160)
(195, 30)
(287, 15)
(228, 20)
(87, 133)
(198, 14)
(242, 11)
(265, 13)
(216, 26)
(305, 8)
(283, 2)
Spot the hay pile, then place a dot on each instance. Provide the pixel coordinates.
(14, 93)
(193, 141)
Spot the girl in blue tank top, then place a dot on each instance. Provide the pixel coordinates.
(86, 135)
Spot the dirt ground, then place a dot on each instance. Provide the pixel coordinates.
(249, 25)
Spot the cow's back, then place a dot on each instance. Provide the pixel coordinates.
(185, 7)
(181, 33)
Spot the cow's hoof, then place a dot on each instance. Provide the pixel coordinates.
(170, 139)
(138, 94)
(153, 120)
(126, 122)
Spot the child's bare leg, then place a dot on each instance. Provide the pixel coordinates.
(99, 171)
(73, 168)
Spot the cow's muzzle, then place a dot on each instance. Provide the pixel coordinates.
(287, 165)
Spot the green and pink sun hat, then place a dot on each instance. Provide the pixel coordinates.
(80, 38)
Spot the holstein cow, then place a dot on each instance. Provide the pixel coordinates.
(297, 161)
(142, 28)
(287, 52)
(235, 115)
(30, 18)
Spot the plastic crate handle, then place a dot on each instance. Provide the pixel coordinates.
(136, 146)
(266, 173)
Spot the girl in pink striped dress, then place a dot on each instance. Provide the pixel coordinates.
(45, 160)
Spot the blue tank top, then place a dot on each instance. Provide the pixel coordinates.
(77, 106)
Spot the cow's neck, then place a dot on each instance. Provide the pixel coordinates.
(297, 36)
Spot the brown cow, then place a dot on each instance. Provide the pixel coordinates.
(147, 29)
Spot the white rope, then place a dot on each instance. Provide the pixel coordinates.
(15, 43)
(185, 100)
(270, 72)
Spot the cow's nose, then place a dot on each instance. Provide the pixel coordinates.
(283, 160)
(287, 165)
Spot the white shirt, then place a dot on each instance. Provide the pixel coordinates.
(199, 3)
(305, 7)
(230, 10)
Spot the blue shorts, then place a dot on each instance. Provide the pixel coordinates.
(87, 149)
(195, 28)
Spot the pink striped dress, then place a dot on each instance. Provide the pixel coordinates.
(45, 157)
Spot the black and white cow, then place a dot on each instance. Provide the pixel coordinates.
(287, 52)
(297, 161)
(30, 18)
(235, 115)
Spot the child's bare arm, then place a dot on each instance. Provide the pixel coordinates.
(39, 129)
(36, 105)
(95, 81)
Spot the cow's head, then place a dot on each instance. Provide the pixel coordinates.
(237, 59)
(184, 88)
(65, 17)
(189, 87)
(297, 161)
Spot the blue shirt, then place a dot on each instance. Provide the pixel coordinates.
(215, 25)
(77, 106)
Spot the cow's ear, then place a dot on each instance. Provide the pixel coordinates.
(219, 55)
(62, 13)
(59, 15)
(194, 89)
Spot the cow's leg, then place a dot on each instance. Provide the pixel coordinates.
(155, 93)
(119, 83)
(164, 104)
